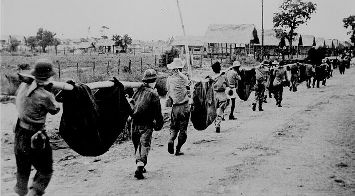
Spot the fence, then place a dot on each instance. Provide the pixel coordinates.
(91, 69)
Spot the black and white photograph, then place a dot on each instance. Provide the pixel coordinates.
(177, 97)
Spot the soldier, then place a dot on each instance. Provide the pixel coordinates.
(178, 91)
(294, 76)
(260, 76)
(233, 79)
(32, 148)
(220, 83)
(146, 116)
(279, 81)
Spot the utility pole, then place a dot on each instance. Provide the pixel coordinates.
(186, 46)
(262, 29)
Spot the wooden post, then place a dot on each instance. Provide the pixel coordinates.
(155, 60)
(166, 60)
(77, 70)
(230, 51)
(107, 68)
(141, 65)
(59, 70)
(134, 51)
(226, 49)
(93, 69)
(222, 50)
(201, 60)
(118, 67)
(129, 65)
(64, 50)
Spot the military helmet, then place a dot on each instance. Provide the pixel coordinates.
(149, 76)
(43, 69)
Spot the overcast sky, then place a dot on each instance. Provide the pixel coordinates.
(158, 19)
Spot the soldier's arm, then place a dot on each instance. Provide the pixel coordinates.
(51, 104)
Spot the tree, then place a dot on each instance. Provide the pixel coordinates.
(31, 41)
(255, 39)
(280, 34)
(45, 38)
(126, 40)
(56, 42)
(350, 22)
(300, 41)
(314, 42)
(292, 14)
(117, 39)
(168, 56)
(14, 43)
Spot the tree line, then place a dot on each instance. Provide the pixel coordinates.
(292, 14)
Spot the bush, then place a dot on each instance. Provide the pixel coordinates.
(168, 57)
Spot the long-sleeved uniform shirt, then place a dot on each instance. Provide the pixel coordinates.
(177, 87)
(280, 76)
(233, 78)
(147, 108)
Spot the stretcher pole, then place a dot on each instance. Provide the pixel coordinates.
(94, 85)
(187, 52)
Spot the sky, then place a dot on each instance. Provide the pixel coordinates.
(159, 19)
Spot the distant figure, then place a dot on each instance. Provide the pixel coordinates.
(342, 65)
(279, 82)
(32, 148)
(294, 77)
(146, 117)
(260, 73)
(233, 79)
(178, 91)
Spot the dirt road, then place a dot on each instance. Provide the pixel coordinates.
(307, 147)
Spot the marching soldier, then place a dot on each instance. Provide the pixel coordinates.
(219, 86)
(32, 148)
(178, 91)
(260, 76)
(233, 79)
(146, 117)
(279, 82)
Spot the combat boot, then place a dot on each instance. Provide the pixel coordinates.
(218, 129)
(231, 117)
(254, 107)
(171, 147)
(139, 173)
(260, 107)
(178, 152)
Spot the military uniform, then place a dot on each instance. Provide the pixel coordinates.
(233, 80)
(178, 92)
(146, 117)
(32, 147)
(280, 79)
(259, 88)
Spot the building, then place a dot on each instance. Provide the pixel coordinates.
(105, 45)
(195, 44)
(228, 39)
